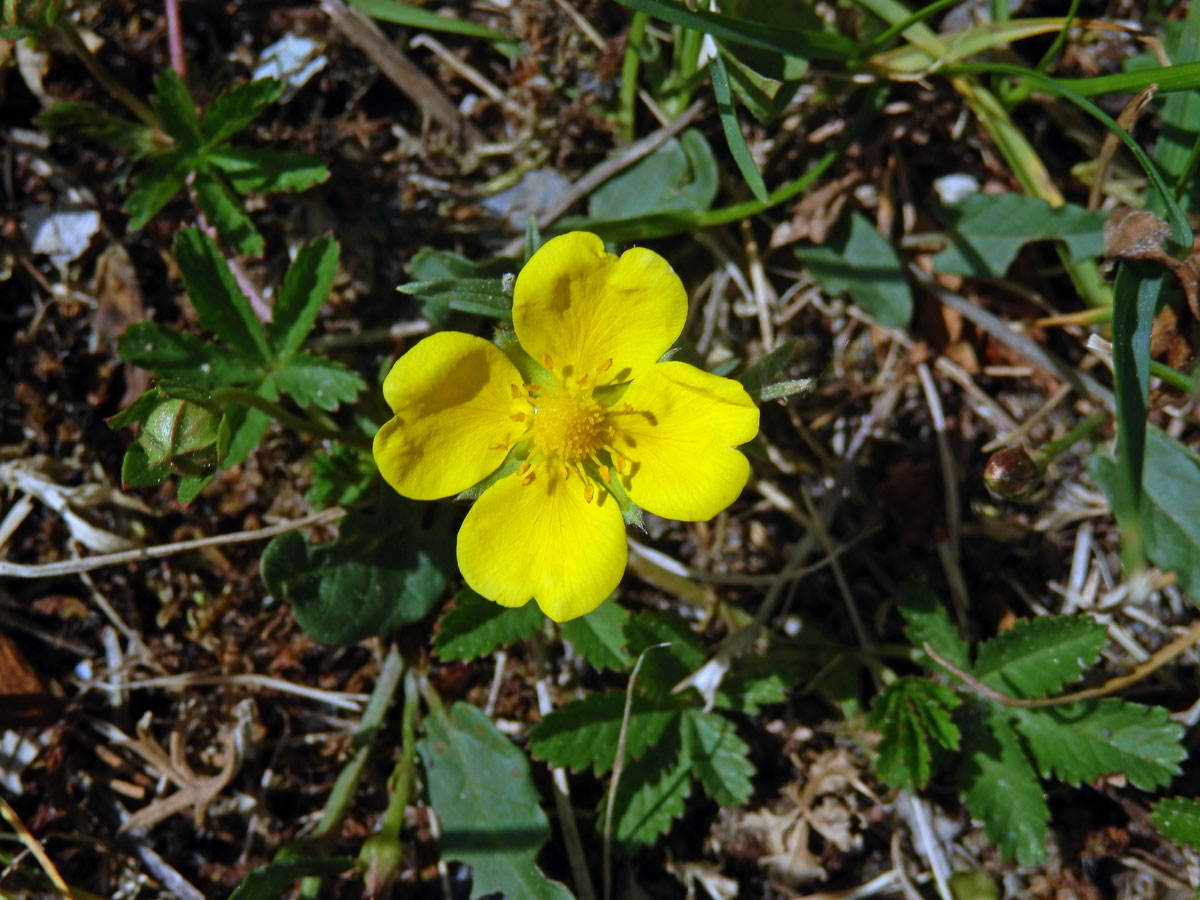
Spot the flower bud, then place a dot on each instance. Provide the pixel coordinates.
(21, 18)
(183, 434)
(380, 859)
(1011, 474)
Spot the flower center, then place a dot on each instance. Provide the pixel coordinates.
(568, 426)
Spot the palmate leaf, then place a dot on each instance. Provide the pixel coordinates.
(178, 355)
(583, 734)
(599, 636)
(223, 209)
(481, 789)
(926, 622)
(77, 122)
(663, 667)
(176, 109)
(156, 183)
(472, 626)
(264, 171)
(317, 381)
(1178, 818)
(1038, 656)
(237, 107)
(305, 286)
(652, 792)
(912, 715)
(1082, 741)
(1000, 786)
(220, 304)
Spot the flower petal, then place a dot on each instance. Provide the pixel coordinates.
(583, 307)
(452, 399)
(543, 540)
(679, 441)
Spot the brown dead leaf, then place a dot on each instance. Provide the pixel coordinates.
(24, 701)
(813, 216)
(1139, 234)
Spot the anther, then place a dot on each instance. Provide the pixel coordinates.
(621, 462)
(606, 475)
(523, 468)
(565, 472)
(498, 447)
(628, 408)
(588, 492)
(547, 360)
(531, 387)
(516, 391)
(582, 380)
(528, 479)
(604, 367)
(518, 417)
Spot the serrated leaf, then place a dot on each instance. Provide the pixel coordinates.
(262, 171)
(136, 470)
(305, 287)
(1171, 519)
(599, 636)
(987, 230)
(318, 381)
(1036, 657)
(154, 186)
(912, 715)
(663, 667)
(719, 758)
(382, 572)
(926, 622)
(176, 109)
(652, 791)
(1083, 741)
(680, 175)
(236, 107)
(756, 684)
(269, 881)
(478, 296)
(223, 209)
(584, 733)
(247, 425)
(178, 355)
(1178, 819)
(1000, 786)
(220, 305)
(488, 809)
(473, 626)
(857, 260)
(340, 477)
(76, 122)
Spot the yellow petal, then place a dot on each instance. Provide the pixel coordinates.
(452, 398)
(543, 540)
(679, 441)
(582, 307)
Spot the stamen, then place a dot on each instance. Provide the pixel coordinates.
(604, 367)
(547, 360)
(523, 468)
(498, 447)
(528, 479)
(516, 391)
(588, 492)
(621, 463)
(628, 409)
(565, 472)
(582, 380)
(610, 434)
(531, 387)
(518, 417)
(606, 475)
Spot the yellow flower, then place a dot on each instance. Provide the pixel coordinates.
(594, 413)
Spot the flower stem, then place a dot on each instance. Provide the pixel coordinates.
(288, 420)
(1046, 454)
(106, 79)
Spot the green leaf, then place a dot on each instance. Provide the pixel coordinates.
(1082, 741)
(77, 122)
(1178, 819)
(478, 296)
(663, 667)
(768, 368)
(263, 171)
(136, 470)
(913, 715)
(381, 573)
(857, 260)
(305, 287)
(987, 230)
(480, 787)
(1036, 657)
(652, 791)
(317, 381)
(599, 636)
(926, 622)
(719, 758)
(680, 175)
(176, 109)
(999, 785)
(271, 880)
(190, 487)
(341, 477)
(757, 683)
(220, 305)
(806, 43)
(223, 209)
(427, 20)
(733, 129)
(137, 410)
(584, 733)
(1180, 112)
(247, 425)
(765, 82)
(473, 626)
(237, 107)
(154, 186)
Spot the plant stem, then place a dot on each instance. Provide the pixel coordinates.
(629, 73)
(1047, 453)
(1175, 378)
(288, 420)
(105, 78)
